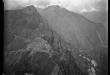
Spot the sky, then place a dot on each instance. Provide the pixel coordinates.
(72, 5)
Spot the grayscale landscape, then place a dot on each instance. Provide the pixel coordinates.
(53, 41)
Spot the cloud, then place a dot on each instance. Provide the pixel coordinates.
(72, 5)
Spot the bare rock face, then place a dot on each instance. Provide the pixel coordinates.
(33, 47)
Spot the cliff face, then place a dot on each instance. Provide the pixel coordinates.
(33, 44)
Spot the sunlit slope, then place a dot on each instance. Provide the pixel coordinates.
(74, 27)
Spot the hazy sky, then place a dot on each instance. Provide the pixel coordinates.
(73, 5)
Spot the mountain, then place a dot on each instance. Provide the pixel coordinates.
(36, 43)
(99, 17)
(32, 47)
(75, 28)
(85, 35)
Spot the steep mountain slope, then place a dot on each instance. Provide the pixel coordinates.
(75, 28)
(33, 46)
(99, 17)
(85, 35)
